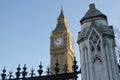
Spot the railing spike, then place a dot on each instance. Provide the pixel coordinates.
(24, 72)
(32, 72)
(56, 67)
(10, 75)
(18, 72)
(48, 70)
(40, 71)
(3, 75)
(65, 68)
(75, 66)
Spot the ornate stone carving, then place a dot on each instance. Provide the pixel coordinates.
(95, 46)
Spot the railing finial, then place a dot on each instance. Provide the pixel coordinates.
(24, 72)
(57, 67)
(3, 75)
(40, 71)
(75, 66)
(32, 72)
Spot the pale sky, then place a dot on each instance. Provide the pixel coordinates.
(26, 25)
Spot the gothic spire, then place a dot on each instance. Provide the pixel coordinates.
(61, 16)
(61, 21)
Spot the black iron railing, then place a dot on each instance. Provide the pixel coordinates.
(22, 75)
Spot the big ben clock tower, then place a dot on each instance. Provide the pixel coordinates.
(61, 45)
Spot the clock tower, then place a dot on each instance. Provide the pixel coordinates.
(61, 46)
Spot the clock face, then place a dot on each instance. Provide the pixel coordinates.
(58, 41)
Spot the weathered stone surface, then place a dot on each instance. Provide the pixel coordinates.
(97, 47)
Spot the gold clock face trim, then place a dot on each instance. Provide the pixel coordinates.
(58, 42)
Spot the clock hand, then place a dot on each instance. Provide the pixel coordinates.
(58, 41)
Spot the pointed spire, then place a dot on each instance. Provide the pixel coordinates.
(61, 22)
(61, 16)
